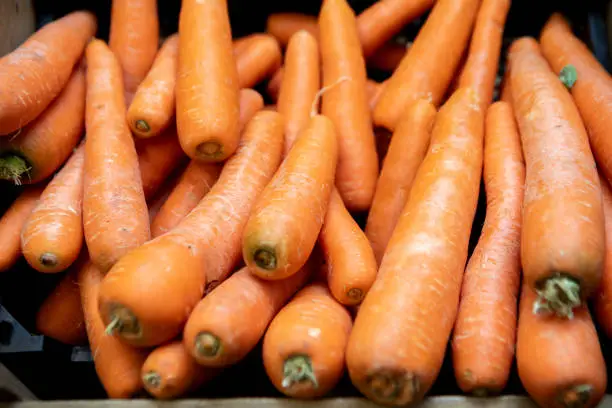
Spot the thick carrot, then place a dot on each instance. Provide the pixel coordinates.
(559, 361)
(41, 148)
(406, 152)
(346, 104)
(428, 69)
(592, 90)
(175, 266)
(52, 236)
(563, 241)
(207, 83)
(603, 300)
(152, 108)
(394, 357)
(36, 72)
(282, 229)
(259, 59)
(12, 223)
(486, 321)
(134, 38)
(230, 320)
(303, 349)
(115, 217)
(170, 371)
(351, 265)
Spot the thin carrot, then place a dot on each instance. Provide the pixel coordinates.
(406, 152)
(41, 148)
(259, 59)
(563, 240)
(299, 363)
(603, 300)
(486, 321)
(402, 329)
(175, 266)
(36, 72)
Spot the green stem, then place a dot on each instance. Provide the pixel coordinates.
(207, 345)
(114, 325)
(124, 323)
(152, 379)
(560, 295)
(142, 125)
(13, 168)
(265, 258)
(568, 76)
(298, 369)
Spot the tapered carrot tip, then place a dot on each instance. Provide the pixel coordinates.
(392, 388)
(48, 260)
(265, 258)
(355, 294)
(210, 150)
(13, 168)
(576, 396)
(298, 369)
(123, 322)
(152, 380)
(142, 125)
(560, 295)
(207, 345)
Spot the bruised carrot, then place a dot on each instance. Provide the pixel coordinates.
(282, 229)
(486, 321)
(260, 58)
(206, 243)
(559, 361)
(40, 148)
(36, 72)
(406, 152)
(393, 360)
(207, 82)
(563, 241)
(230, 320)
(303, 349)
(603, 299)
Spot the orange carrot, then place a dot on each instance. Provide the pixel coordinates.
(393, 360)
(563, 240)
(388, 57)
(275, 83)
(175, 266)
(486, 321)
(303, 349)
(406, 152)
(258, 60)
(43, 146)
(36, 72)
(207, 82)
(603, 300)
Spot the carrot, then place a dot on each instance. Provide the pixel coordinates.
(41, 148)
(170, 371)
(373, 91)
(388, 57)
(229, 322)
(563, 241)
(275, 83)
(603, 300)
(559, 361)
(36, 72)
(206, 243)
(427, 70)
(506, 92)
(152, 108)
(258, 60)
(393, 360)
(347, 106)
(52, 236)
(198, 178)
(282, 229)
(301, 82)
(12, 223)
(207, 82)
(134, 37)
(592, 90)
(406, 152)
(161, 197)
(115, 217)
(303, 349)
(486, 321)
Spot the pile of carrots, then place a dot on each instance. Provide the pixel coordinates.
(192, 221)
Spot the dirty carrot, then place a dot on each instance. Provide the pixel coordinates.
(205, 246)
(563, 241)
(259, 59)
(603, 299)
(486, 321)
(115, 217)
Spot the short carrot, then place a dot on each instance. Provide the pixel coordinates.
(205, 246)
(603, 299)
(36, 72)
(563, 240)
(299, 363)
(259, 59)
(393, 360)
(486, 321)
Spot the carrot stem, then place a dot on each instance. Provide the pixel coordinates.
(568, 76)
(13, 168)
(142, 125)
(265, 258)
(48, 259)
(112, 326)
(393, 387)
(355, 294)
(207, 345)
(152, 379)
(297, 369)
(560, 294)
(211, 150)
(124, 322)
(577, 396)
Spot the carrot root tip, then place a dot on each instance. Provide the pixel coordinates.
(13, 168)
(568, 76)
(577, 396)
(124, 323)
(481, 392)
(265, 258)
(210, 150)
(207, 345)
(151, 379)
(298, 369)
(355, 294)
(48, 260)
(142, 125)
(559, 295)
(397, 389)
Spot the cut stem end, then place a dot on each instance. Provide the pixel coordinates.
(152, 379)
(142, 125)
(48, 260)
(207, 345)
(355, 294)
(560, 295)
(577, 396)
(123, 323)
(298, 369)
(265, 258)
(13, 168)
(392, 388)
(210, 150)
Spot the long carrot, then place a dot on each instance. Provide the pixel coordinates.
(391, 359)
(592, 90)
(486, 321)
(36, 72)
(404, 156)
(427, 70)
(207, 83)
(258, 60)
(115, 217)
(230, 320)
(563, 241)
(346, 104)
(303, 349)
(603, 300)
(559, 361)
(175, 266)
(41, 148)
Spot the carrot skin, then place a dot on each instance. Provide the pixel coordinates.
(257, 60)
(275, 83)
(603, 298)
